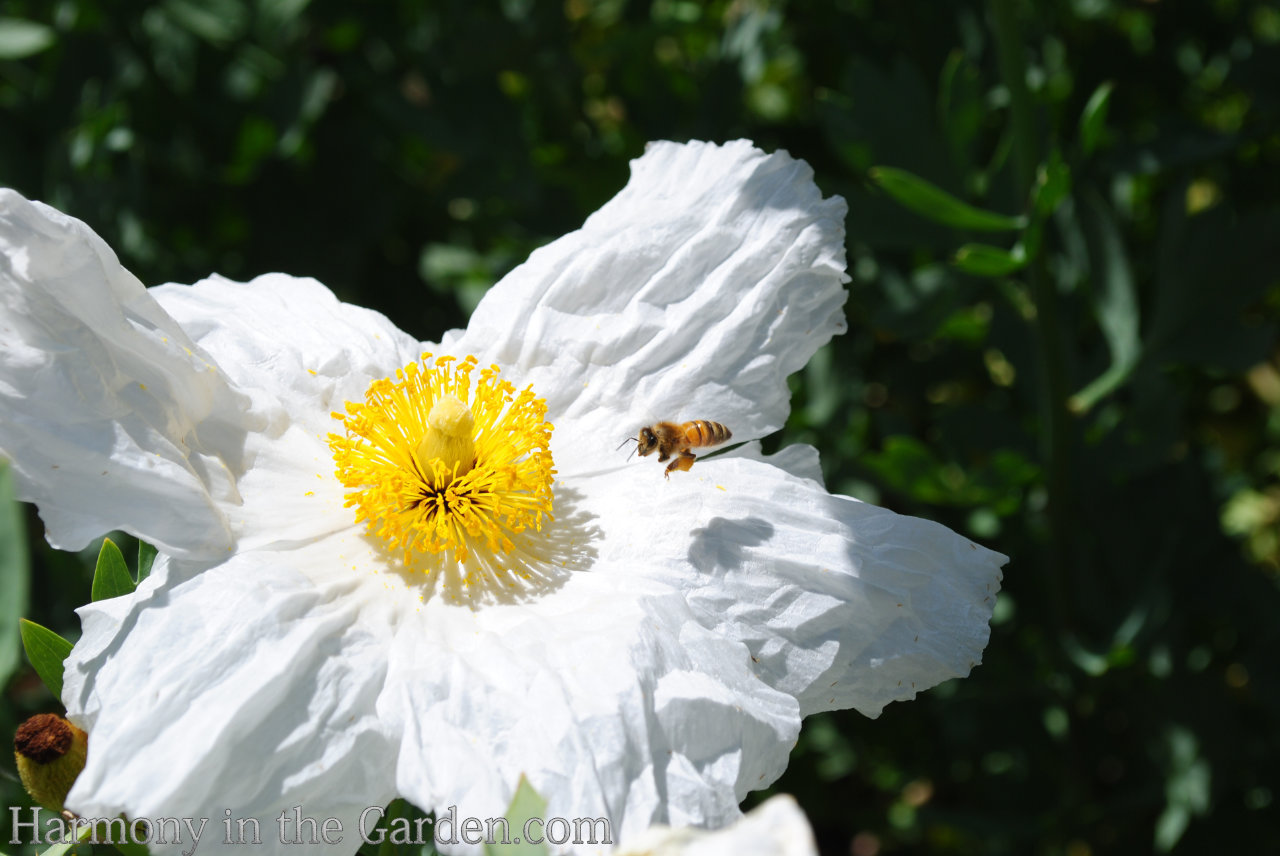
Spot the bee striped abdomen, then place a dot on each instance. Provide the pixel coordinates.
(703, 432)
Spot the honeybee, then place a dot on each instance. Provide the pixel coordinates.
(671, 438)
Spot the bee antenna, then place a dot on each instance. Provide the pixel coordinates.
(628, 440)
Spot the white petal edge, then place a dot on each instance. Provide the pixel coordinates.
(798, 459)
(112, 419)
(839, 603)
(241, 687)
(693, 294)
(776, 827)
(607, 694)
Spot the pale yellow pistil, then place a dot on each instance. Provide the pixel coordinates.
(434, 461)
(448, 439)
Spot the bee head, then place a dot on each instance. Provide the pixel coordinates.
(647, 442)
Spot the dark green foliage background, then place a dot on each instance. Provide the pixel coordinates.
(408, 154)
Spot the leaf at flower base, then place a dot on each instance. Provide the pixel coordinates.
(1093, 118)
(46, 650)
(14, 570)
(527, 803)
(933, 202)
(19, 38)
(986, 260)
(70, 846)
(146, 558)
(111, 578)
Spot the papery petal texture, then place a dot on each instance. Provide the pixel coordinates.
(839, 603)
(189, 407)
(642, 714)
(295, 353)
(692, 294)
(111, 417)
(267, 703)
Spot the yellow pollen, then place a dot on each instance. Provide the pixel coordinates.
(434, 460)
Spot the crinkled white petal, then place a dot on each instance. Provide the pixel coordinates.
(110, 416)
(663, 676)
(242, 687)
(776, 827)
(608, 694)
(799, 459)
(297, 354)
(840, 603)
(692, 294)
(194, 417)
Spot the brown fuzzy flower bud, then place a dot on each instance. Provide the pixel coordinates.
(50, 752)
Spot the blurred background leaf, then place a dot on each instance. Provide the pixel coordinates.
(14, 570)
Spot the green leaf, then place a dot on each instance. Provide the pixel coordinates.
(1187, 788)
(961, 110)
(1115, 302)
(986, 260)
(1093, 118)
(1053, 183)
(14, 573)
(527, 803)
(70, 846)
(19, 38)
(146, 558)
(218, 22)
(933, 202)
(111, 577)
(46, 650)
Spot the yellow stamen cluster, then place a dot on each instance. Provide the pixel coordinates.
(434, 464)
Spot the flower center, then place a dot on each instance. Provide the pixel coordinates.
(432, 464)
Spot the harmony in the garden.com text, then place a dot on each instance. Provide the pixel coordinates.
(294, 827)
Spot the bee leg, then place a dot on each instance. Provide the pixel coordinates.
(683, 462)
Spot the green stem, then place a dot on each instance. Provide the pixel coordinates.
(1054, 391)
(1013, 68)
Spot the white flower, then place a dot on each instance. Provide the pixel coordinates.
(642, 649)
(776, 827)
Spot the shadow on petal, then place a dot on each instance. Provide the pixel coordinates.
(724, 544)
(539, 562)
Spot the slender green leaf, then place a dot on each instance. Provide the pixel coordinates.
(146, 558)
(527, 803)
(14, 573)
(46, 650)
(961, 110)
(1115, 302)
(1093, 118)
(111, 577)
(19, 38)
(986, 260)
(933, 202)
(82, 833)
